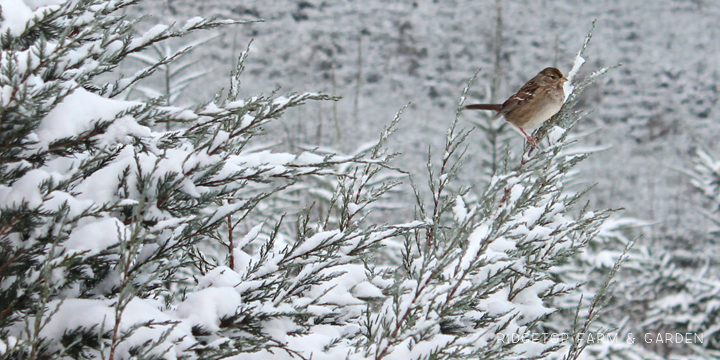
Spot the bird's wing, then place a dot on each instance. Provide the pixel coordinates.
(523, 96)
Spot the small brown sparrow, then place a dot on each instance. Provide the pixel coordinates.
(536, 102)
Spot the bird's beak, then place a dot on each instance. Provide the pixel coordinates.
(563, 79)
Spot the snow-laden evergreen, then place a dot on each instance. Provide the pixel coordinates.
(664, 305)
(655, 296)
(122, 240)
(705, 176)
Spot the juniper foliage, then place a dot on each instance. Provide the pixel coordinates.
(121, 239)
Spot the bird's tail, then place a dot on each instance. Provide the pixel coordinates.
(493, 107)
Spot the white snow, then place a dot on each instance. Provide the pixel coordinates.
(94, 235)
(308, 158)
(366, 290)
(353, 208)
(75, 206)
(555, 134)
(26, 189)
(529, 304)
(128, 202)
(475, 241)
(278, 329)
(108, 177)
(497, 304)
(148, 36)
(250, 236)
(281, 101)
(192, 22)
(223, 211)
(34, 4)
(208, 306)
(16, 14)
(100, 314)
(221, 276)
(6, 95)
(220, 138)
(568, 86)
(78, 112)
(94, 313)
(460, 212)
(323, 237)
(532, 214)
(211, 109)
(142, 310)
(122, 130)
(235, 105)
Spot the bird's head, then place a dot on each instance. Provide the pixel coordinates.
(553, 74)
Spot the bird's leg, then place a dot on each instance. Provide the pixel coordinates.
(530, 139)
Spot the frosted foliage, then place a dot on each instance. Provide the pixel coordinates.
(134, 229)
(117, 204)
(649, 113)
(655, 294)
(706, 178)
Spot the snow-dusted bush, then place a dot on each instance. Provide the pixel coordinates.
(705, 176)
(657, 293)
(654, 297)
(123, 241)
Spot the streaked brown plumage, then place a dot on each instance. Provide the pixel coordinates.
(536, 102)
